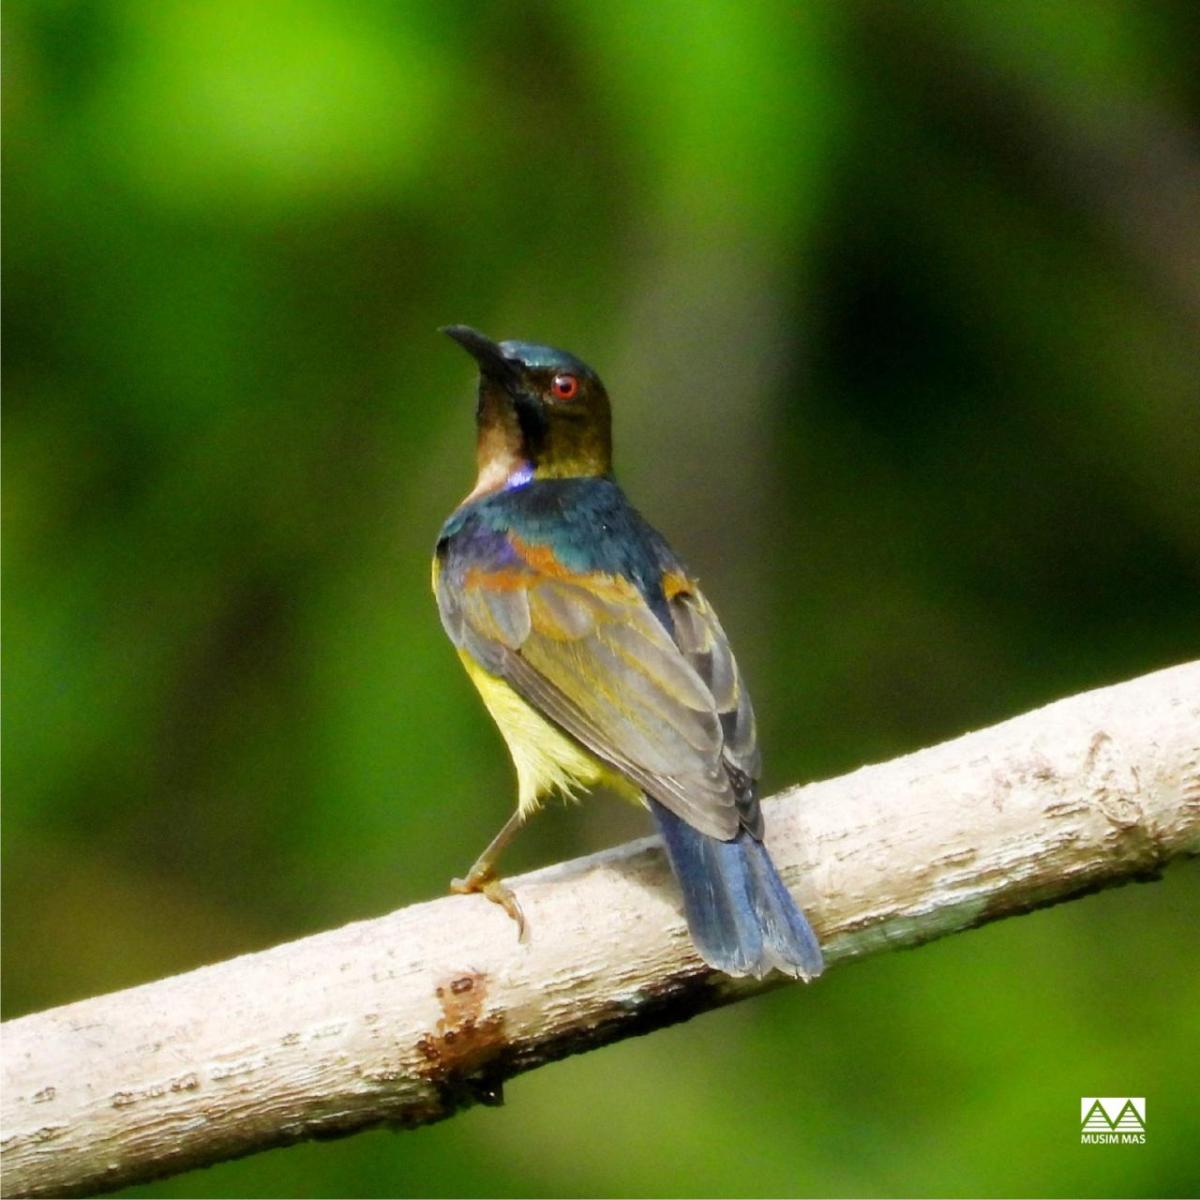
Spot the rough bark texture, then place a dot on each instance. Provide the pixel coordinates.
(409, 1017)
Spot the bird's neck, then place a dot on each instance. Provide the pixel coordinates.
(498, 475)
(505, 461)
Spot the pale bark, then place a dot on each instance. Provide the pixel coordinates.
(408, 1017)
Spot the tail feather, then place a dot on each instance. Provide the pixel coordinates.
(742, 919)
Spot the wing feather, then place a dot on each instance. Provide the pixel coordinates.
(703, 642)
(666, 708)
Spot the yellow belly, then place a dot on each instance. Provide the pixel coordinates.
(547, 760)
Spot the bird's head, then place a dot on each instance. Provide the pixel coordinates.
(542, 414)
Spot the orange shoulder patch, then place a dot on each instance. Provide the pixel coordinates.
(541, 558)
(506, 579)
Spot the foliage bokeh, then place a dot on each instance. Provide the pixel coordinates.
(899, 307)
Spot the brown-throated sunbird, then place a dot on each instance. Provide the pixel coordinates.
(600, 659)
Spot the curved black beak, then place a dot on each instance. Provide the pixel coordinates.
(484, 351)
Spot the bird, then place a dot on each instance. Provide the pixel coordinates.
(600, 659)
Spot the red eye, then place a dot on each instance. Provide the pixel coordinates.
(565, 387)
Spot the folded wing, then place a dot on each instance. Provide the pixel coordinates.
(667, 709)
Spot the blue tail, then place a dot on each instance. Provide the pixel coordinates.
(742, 919)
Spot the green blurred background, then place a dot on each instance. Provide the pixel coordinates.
(900, 308)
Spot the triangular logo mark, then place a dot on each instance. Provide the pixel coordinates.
(1128, 1119)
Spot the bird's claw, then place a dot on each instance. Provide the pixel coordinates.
(498, 892)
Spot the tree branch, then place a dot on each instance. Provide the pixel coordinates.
(409, 1017)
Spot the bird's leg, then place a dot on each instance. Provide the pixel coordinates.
(482, 876)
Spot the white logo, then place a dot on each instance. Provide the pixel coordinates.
(1109, 1120)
